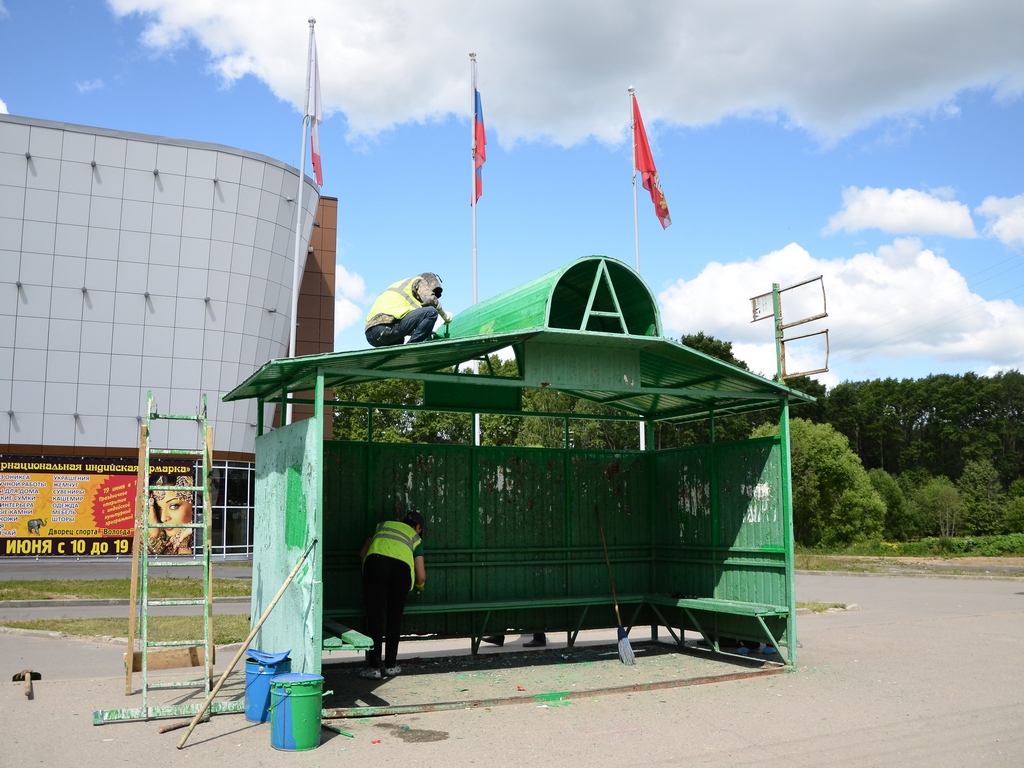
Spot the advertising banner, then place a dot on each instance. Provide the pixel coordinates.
(84, 507)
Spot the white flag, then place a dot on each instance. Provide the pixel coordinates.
(314, 110)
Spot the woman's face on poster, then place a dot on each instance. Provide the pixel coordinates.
(172, 508)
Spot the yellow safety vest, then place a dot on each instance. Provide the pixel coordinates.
(398, 300)
(397, 540)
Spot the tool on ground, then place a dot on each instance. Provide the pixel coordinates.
(625, 650)
(245, 644)
(28, 676)
(336, 729)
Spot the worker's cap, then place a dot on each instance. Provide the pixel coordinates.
(412, 519)
(438, 290)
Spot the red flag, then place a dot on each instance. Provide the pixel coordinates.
(314, 111)
(643, 161)
(479, 143)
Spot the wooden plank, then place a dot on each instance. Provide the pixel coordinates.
(139, 542)
(170, 658)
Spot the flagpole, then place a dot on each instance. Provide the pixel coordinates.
(472, 198)
(636, 226)
(636, 216)
(298, 213)
(472, 159)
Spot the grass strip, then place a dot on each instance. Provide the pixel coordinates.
(820, 607)
(227, 629)
(107, 589)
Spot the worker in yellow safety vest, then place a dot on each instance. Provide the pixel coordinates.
(392, 567)
(410, 308)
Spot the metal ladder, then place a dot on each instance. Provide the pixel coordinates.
(175, 653)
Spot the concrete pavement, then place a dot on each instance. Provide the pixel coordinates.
(926, 672)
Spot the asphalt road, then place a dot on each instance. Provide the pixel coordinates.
(926, 672)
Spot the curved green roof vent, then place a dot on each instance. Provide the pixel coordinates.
(594, 293)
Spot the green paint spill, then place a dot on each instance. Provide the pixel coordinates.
(295, 511)
(554, 698)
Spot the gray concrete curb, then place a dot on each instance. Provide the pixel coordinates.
(921, 575)
(110, 601)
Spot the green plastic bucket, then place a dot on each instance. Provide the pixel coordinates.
(296, 700)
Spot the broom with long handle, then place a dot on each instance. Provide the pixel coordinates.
(626, 655)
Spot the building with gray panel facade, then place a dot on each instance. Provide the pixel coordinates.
(132, 263)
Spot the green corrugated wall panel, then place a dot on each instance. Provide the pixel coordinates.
(520, 508)
(345, 524)
(682, 523)
(683, 497)
(435, 481)
(288, 517)
(616, 484)
(750, 515)
(521, 534)
(750, 494)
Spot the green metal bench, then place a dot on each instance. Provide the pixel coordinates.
(489, 608)
(338, 637)
(693, 605)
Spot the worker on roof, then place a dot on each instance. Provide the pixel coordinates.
(407, 308)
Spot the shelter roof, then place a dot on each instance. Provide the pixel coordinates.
(589, 329)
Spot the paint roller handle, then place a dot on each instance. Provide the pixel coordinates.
(245, 644)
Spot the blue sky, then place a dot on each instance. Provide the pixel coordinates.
(877, 144)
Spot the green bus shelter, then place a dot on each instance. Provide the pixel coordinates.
(700, 538)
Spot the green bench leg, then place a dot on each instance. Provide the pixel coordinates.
(771, 639)
(707, 639)
(654, 627)
(579, 625)
(474, 642)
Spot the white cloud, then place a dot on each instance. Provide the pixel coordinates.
(559, 69)
(901, 302)
(350, 294)
(1008, 218)
(902, 212)
(87, 86)
(3, 108)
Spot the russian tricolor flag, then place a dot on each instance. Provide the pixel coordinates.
(479, 142)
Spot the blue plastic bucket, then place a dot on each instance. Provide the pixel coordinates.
(296, 701)
(257, 687)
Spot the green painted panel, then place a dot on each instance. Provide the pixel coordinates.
(587, 365)
(287, 518)
(289, 470)
(295, 508)
(446, 394)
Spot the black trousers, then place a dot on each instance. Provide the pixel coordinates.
(386, 583)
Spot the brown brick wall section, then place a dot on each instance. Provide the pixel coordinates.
(315, 334)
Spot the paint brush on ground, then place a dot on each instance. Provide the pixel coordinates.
(626, 655)
(336, 729)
